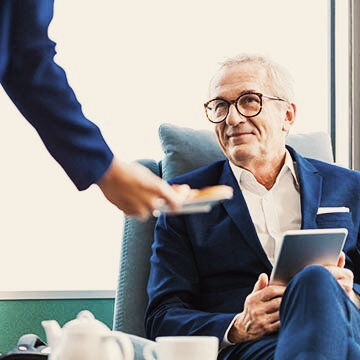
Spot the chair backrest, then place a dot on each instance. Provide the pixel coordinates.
(185, 150)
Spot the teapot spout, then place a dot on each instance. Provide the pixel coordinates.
(53, 332)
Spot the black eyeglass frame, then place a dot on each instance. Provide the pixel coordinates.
(230, 102)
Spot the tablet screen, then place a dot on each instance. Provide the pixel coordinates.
(301, 248)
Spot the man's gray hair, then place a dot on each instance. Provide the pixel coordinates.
(281, 80)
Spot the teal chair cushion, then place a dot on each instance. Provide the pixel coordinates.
(187, 149)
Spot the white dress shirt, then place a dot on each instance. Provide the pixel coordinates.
(272, 211)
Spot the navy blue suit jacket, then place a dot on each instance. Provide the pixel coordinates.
(39, 89)
(203, 266)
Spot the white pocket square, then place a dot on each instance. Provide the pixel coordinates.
(327, 210)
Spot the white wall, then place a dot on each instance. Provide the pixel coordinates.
(133, 66)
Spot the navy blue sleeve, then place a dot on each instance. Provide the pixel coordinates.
(40, 90)
(174, 287)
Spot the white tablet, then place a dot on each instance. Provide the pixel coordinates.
(301, 248)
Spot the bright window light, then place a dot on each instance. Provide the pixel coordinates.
(133, 66)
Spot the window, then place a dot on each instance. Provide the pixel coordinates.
(342, 83)
(133, 66)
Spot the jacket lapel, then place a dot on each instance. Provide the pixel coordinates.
(239, 213)
(310, 189)
(310, 194)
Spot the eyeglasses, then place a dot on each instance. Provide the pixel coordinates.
(248, 105)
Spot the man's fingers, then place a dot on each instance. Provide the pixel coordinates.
(346, 285)
(264, 325)
(273, 305)
(273, 291)
(345, 277)
(333, 270)
(340, 273)
(341, 261)
(273, 317)
(262, 316)
(261, 283)
(273, 327)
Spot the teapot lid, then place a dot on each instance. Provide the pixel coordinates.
(85, 323)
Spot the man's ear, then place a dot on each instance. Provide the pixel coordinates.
(289, 117)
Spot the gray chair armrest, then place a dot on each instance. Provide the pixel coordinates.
(131, 296)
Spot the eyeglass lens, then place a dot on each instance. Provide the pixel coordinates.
(247, 104)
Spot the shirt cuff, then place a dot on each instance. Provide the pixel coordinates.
(225, 342)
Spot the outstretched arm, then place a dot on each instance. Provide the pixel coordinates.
(40, 90)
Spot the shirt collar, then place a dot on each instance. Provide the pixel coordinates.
(239, 172)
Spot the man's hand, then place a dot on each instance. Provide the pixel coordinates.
(261, 312)
(345, 277)
(137, 191)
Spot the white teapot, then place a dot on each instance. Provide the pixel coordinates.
(86, 338)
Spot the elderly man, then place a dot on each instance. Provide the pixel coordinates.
(210, 272)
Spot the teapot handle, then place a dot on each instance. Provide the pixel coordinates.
(124, 343)
(148, 351)
(54, 353)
